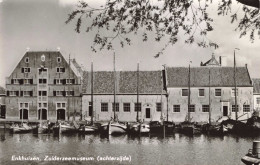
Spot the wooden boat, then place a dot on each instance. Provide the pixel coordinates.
(65, 128)
(215, 129)
(253, 155)
(113, 128)
(190, 128)
(23, 128)
(164, 127)
(41, 130)
(139, 128)
(89, 128)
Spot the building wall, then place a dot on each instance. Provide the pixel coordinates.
(147, 101)
(245, 96)
(256, 105)
(72, 103)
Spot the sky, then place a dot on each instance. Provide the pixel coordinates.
(39, 25)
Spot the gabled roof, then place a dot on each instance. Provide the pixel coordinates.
(199, 76)
(211, 62)
(149, 82)
(256, 83)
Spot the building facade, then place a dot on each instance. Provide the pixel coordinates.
(43, 86)
(256, 92)
(2, 103)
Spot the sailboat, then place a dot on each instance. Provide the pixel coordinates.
(138, 127)
(90, 127)
(113, 126)
(40, 128)
(163, 127)
(22, 128)
(187, 127)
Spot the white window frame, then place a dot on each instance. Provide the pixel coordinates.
(22, 105)
(258, 100)
(194, 108)
(59, 93)
(220, 92)
(26, 60)
(58, 69)
(202, 108)
(203, 92)
(26, 93)
(127, 106)
(175, 108)
(58, 81)
(246, 108)
(12, 93)
(233, 107)
(26, 81)
(69, 81)
(58, 59)
(68, 93)
(101, 107)
(182, 92)
(27, 69)
(16, 81)
(61, 107)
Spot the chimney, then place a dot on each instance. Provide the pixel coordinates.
(220, 60)
(246, 65)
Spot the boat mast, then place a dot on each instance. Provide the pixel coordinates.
(161, 97)
(114, 107)
(68, 92)
(189, 96)
(137, 90)
(235, 81)
(209, 99)
(92, 104)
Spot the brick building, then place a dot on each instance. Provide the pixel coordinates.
(43, 85)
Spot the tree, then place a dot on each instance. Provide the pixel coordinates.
(117, 20)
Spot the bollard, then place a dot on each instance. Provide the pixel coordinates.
(256, 148)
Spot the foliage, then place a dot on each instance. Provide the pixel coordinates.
(161, 20)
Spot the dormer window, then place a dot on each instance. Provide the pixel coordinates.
(58, 59)
(26, 59)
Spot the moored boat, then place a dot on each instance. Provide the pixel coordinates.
(66, 128)
(23, 128)
(139, 128)
(88, 128)
(190, 128)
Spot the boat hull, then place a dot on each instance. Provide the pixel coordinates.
(88, 129)
(20, 130)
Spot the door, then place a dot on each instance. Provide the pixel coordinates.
(61, 114)
(225, 110)
(43, 113)
(147, 113)
(3, 111)
(24, 113)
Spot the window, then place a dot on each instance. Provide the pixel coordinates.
(201, 92)
(158, 107)
(58, 93)
(205, 108)
(44, 105)
(43, 57)
(28, 81)
(258, 100)
(27, 93)
(176, 108)
(43, 81)
(60, 70)
(58, 59)
(126, 107)
(192, 108)
(58, 81)
(26, 70)
(138, 106)
(13, 93)
(246, 108)
(233, 108)
(26, 59)
(217, 92)
(24, 105)
(42, 93)
(16, 81)
(117, 107)
(69, 93)
(69, 81)
(59, 105)
(185, 92)
(104, 107)
(233, 92)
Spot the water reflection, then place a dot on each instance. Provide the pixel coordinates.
(174, 149)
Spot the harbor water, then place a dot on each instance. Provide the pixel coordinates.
(176, 149)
